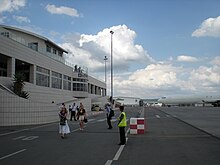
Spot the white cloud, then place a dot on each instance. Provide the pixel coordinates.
(205, 78)
(209, 27)
(153, 79)
(94, 47)
(216, 61)
(11, 5)
(184, 58)
(62, 10)
(166, 79)
(154, 76)
(21, 19)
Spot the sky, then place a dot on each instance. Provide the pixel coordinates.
(159, 47)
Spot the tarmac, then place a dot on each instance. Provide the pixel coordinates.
(206, 119)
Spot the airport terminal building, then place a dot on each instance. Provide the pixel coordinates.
(49, 79)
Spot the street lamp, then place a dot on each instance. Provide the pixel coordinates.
(111, 66)
(105, 74)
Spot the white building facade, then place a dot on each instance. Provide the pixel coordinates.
(49, 79)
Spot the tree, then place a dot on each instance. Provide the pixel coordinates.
(18, 85)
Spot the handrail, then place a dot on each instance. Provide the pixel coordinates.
(6, 89)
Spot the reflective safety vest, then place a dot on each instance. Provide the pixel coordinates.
(123, 122)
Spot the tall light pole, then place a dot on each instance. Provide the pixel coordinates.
(111, 66)
(105, 75)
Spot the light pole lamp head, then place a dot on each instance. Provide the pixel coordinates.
(111, 32)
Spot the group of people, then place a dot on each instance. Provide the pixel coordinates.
(79, 113)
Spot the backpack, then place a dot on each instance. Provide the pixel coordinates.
(112, 113)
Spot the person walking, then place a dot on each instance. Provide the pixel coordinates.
(81, 115)
(73, 112)
(122, 123)
(63, 126)
(108, 114)
(70, 112)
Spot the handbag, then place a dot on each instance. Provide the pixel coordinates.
(62, 121)
(85, 120)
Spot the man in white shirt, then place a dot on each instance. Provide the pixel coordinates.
(73, 112)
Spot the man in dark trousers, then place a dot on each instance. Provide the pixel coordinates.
(122, 123)
(73, 111)
(108, 113)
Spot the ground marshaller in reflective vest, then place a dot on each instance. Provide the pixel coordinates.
(122, 123)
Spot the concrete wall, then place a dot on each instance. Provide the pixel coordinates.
(18, 111)
(15, 110)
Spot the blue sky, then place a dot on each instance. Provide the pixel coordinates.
(160, 47)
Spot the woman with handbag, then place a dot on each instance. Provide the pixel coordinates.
(63, 126)
(81, 115)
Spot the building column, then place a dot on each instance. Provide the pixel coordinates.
(10, 67)
(71, 83)
(103, 92)
(62, 81)
(50, 79)
(33, 74)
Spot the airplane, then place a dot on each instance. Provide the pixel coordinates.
(191, 100)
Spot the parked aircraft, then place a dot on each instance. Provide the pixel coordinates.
(213, 100)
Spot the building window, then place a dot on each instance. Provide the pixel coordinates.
(33, 45)
(6, 34)
(60, 53)
(54, 51)
(42, 77)
(80, 84)
(66, 82)
(79, 80)
(91, 89)
(48, 48)
(3, 69)
(80, 87)
(56, 80)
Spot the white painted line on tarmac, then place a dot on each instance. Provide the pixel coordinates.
(117, 155)
(157, 116)
(101, 120)
(91, 120)
(8, 133)
(30, 138)
(20, 137)
(127, 133)
(119, 152)
(74, 130)
(22, 130)
(109, 162)
(6, 156)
